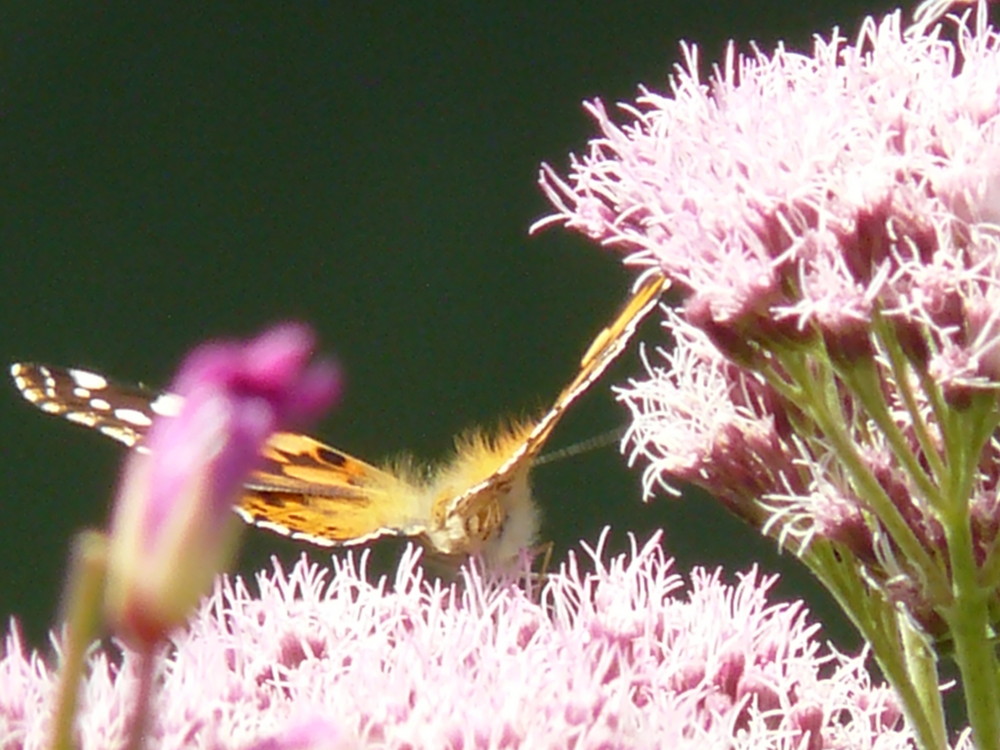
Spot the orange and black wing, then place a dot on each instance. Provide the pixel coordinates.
(308, 490)
(303, 488)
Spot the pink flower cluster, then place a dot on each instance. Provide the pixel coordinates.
(604, 654)
(808, 187)
(832, 222)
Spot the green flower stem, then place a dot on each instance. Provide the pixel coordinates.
(902, 652)
(910, 669)
(807, 395)
(921, 665)
(901, 380)
(969, 625)
(864, 384)
(84, 593)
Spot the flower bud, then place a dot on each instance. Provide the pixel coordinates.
(172, 528)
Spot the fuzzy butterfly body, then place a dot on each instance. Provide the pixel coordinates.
(478, 502)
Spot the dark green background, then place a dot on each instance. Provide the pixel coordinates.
(173, 172)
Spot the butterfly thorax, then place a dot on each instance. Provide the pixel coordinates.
(499, 521)
(480, 503)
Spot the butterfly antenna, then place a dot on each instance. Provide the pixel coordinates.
(598, 441)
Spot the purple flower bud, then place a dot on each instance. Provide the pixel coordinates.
(172, 528)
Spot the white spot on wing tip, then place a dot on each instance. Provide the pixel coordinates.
(118, 433)
(87, 420)
(87, 379)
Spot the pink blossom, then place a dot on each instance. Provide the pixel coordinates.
(830, 219)
(846, 197)
(811, 188)
(612, 654)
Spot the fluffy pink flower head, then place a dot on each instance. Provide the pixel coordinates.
(620, 653)
(793, 194)
(172, 525)
(832, 220)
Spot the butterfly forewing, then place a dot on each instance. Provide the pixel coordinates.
(303, 488)
(605, 348)
(122, 413)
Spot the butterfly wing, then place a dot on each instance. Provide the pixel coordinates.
(604, 350)
(606, 347)
(308, 490)
(302, 489)
(120, 412)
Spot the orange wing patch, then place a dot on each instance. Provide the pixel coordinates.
(310, 491)
(479, 502)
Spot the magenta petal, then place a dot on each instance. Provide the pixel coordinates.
(171, 529)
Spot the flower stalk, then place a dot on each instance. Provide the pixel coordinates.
(82, 617)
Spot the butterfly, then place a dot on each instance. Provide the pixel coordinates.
(476, 503)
